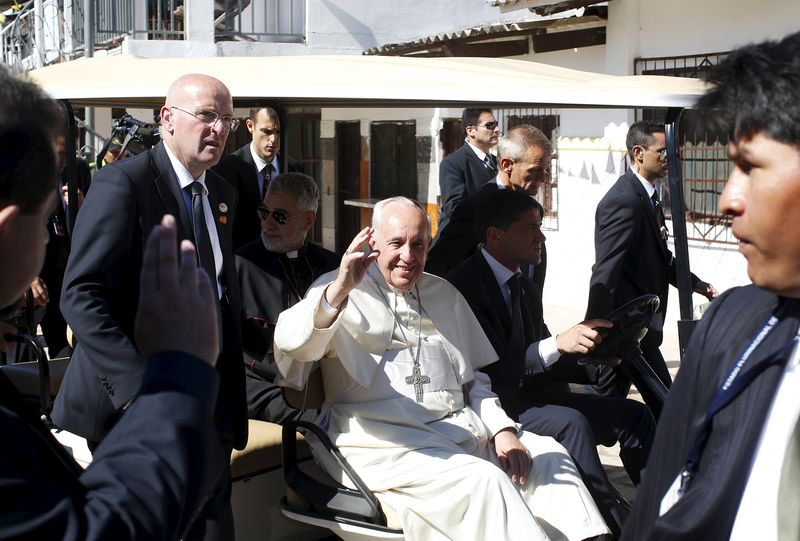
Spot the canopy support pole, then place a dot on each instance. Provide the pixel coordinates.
(686, 323)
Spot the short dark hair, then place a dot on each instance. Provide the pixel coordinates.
(302, 186)
(501, 209)
(641, 134)
(29, 122)
(471, 115)
(757, 89)
(272, 114)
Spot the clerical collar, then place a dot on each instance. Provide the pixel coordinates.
(294, 254)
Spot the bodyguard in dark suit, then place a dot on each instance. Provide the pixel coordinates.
(274, 273)
(743, 482)
(463, 172)
(524, 159)
(631, 253)
(528, 379)
(250, 168)
(100, 289)
(45, 494)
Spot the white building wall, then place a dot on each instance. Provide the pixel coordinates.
(591, 146)
(344, 27)
(684, 27)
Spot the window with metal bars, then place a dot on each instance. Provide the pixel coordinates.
(703, 152)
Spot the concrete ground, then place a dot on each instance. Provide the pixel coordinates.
(559, 318)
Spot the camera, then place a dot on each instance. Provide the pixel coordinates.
(131, 136)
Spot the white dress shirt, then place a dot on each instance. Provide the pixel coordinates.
(757, 517)
(185, 179)
(260, 164)
(539, 355)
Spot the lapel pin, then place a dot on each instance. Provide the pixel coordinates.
(223, 220)
(223, 207)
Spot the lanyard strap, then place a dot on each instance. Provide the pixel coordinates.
(734, 383)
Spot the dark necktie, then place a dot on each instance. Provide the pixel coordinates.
(517, 337)
(491, 166)
(788, 493)
(266, 174)
(202, 242)
(659, 212)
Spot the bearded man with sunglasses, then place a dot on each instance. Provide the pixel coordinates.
(631, 253)
(100, 296)
(274, 273)
(463, 172)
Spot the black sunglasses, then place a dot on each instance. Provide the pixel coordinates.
(489, 125)
(279, 215)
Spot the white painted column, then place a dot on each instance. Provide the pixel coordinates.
(199, 20)
(38, 34)
(51, 30)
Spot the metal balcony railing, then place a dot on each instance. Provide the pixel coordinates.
(44, 31)
(115, 19)
(281, 21)
(17, 38)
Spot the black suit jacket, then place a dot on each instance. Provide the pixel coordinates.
(101, 291)
(239, 169)
(55, 261)
(457, 240)
(147, 479)
(476, 282)
(709, 508)
(461, 174)
(631, 257)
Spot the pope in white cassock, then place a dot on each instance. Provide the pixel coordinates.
(405, 403)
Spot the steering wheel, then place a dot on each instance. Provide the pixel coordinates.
(622, 340)
(630, 325)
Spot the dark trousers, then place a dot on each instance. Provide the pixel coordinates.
(54, 328)
(631, 424)
(615, 420)
(215, 520)
(265, 402)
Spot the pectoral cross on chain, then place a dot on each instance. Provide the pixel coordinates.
(417, 380)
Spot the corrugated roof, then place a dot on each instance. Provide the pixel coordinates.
(491, 29)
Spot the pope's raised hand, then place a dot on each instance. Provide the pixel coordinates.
(355, 262)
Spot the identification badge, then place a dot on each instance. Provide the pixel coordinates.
(673, 495)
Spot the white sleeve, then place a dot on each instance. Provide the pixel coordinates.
(486, 404)
(541, 355)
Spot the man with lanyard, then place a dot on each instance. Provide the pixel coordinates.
(399, 352)
(724, 463)
(274, 274)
